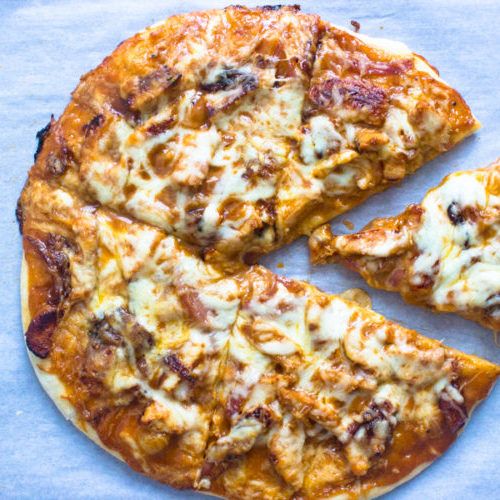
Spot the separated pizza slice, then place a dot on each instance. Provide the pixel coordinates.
(443, 253)
(241, 129)
(320, 397)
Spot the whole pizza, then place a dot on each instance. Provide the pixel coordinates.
(201, 143)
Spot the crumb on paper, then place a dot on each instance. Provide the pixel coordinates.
(356, 26)
(280, 265)
(381, 27)
(348, 224)
(359, 296)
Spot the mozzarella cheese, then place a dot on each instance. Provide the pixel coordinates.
(459, 241)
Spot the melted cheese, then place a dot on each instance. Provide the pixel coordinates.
(398, 375)
(145, 273)
(462, 257)
(399, 130)
(281, 319)
(180, 416)
(328, 325)
(254, 365)
(323, 138)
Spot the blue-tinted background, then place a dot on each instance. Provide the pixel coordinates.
(44, 48)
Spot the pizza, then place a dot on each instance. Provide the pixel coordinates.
(443, 253)
(199, 144)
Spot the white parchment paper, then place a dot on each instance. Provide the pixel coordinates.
(44, 48)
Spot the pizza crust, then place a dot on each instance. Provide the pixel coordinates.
(50, 383)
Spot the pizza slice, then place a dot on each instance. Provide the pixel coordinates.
(321, 398)
(248, 384)
(443, 253)
(211, 127)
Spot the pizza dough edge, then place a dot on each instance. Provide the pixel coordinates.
(55, 390)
